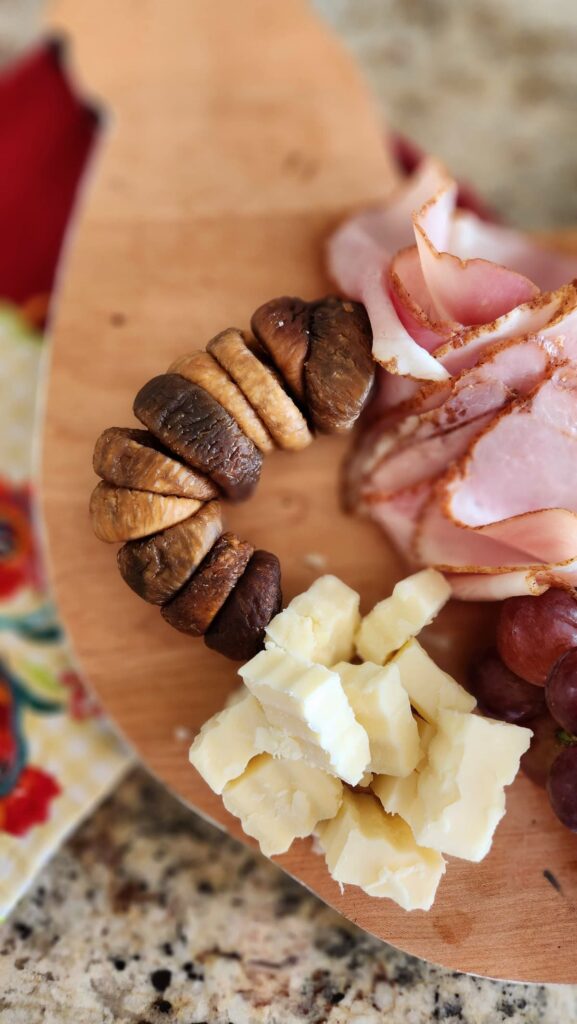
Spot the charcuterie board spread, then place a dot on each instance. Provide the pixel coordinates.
(237, 138)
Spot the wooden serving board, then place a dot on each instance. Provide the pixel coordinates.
(238, 135)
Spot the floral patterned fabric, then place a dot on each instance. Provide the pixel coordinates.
(58, 756)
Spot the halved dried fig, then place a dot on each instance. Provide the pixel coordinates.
(134, 458)
(282, 327)
(340, 370)
(238, 629)
(157, 568)
(201, 368)
(195, 606)
(119, 513)
(193, 424)
(263, 389)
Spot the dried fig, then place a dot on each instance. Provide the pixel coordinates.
(119, 513)
(262, 388)
(195, 606)
(134, 458)
(201, 368)
(193, 424)
(157, 568)
(238, 629)
(339, 371)
(282, 327)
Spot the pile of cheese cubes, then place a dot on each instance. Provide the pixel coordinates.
(382, 759)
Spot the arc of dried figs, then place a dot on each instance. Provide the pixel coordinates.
(195, 606)
(193, 424)
(157, 568)
(263, 390)
(119, 513)
(340, 370)
(134, 458)
(238, 629)
(201, 368)
(282, 326)
(219, 411)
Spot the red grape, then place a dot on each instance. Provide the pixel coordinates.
(533, 632)
(501, 694)
(562, 787)
(561, 691)
(546, 745)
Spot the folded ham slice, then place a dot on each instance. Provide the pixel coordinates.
(467, 454)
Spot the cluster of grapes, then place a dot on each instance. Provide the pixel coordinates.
(532, 680)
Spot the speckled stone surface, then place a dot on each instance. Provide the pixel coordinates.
(488, 85)
(149, 916)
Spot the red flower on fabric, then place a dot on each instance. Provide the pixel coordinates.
(19, 563)
(29, 802)
(82, 703)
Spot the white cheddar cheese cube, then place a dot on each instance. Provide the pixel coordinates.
(414, 603)
(320, 624)
(236, 695)
(365, 781)
(426, 732)
(309, 704)
(364, 846)
(430, 689)
(455, 802)
(398, 796)
(461, 789)
(278, 801)
(382, 707)
(227, 742)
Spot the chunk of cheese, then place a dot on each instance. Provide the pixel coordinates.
(430, 689)
(320, 624)
(278, 801)
(365, 781)
(227, 742)
(456, 800)
(364, 846)
(382, 707)
(398, 795)
(414, 603)
(426, 732)
(309, 704)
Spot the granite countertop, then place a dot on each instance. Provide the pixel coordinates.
(150, 916)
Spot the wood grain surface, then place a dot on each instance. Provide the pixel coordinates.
(237, 136)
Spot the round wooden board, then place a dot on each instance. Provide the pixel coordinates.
(239, 135)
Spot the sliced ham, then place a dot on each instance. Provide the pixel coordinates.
(530, 581)
(526, 460)
(470, 291)
(522, 520)
(391, 226)
(412, 301)
(408, 461)
(398, 514)
(466, 456)
(508, 369)
(359, 266)
(472, 237)
(450, 415)
(358, 257)
(551, 316)
(498, 587)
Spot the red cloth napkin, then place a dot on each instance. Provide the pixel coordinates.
(46, 134)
